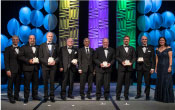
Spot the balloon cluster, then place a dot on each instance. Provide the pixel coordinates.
(34, 17)
(153, 23)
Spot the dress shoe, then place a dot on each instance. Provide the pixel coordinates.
(63, 98)
(11, 100)
(25, 101)
(36, 98)
(17, 98)
(82, 98)
(45, 100)
(97, 98)
(89, 96)
(138, 96)
(71, 96)
(118, 98)
(52, 99)
(147, 98)
(106, 98)
(126, 98)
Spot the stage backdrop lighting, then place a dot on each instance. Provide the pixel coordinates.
(13, 27)
(37, 4)
(50, 22)
(155, 35)
(4, 42)
(168, 34)
(38, 35)
(36, 18)
(144, 6)
(156, 4)
(168, 19)
(143, 23)
(24, 15)
(50, 6)
(173, 29)
(156, 20)
(24, 32)
(2, 61)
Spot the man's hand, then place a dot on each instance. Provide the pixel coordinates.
(31, 61)
(61, 69)
(8, 73)
(80, 71)
(101, 65)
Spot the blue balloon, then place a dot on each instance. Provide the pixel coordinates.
(24, 32)
(155, 20)
(173, 29)
(37, 4)
(168, 19)
(45, 39)
(38, 35)
(13, 27)
(173, 47)
(24, 15)
(4, 42)
(10, 43)
(144, 6)
(36, 18)
(50, 22)
(156, 4)
(50, 6)
(143, 23)
(154, 35)
(168, 34)
(2, 61)
(144, 34)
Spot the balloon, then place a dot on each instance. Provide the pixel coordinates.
(144, 34)
(155, 20)
(144, 6)
(50, 6)
(168, 19)
(156, 4)
(38, 35)
(36, 18)
(168, 34)
(13, 27)
(2, 61)
(173, 47)
(37, 4)
(24, 15)
(45, 39)
(24, 32)
(154, 35)
(143, 23)
(10, 43)
(4, 42)
(50, 22)
(173, 29)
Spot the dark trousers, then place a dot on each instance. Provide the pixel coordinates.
(123, 76)
(140, 75)
(83, 77)
(68, 79)
(16, 80)
(46, 75)
(28, 77)
(103, 79)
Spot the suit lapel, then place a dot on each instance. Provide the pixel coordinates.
(13, 49)
(47, 49)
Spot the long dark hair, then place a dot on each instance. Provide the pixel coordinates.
(159, 42)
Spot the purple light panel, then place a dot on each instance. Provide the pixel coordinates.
(98, 22)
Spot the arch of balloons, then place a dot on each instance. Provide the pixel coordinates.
(36, 18)
(153, 23)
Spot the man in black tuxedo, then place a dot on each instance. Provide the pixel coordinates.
(68, 63)
(104, 58)
(85, 59)
(13, 69)
(145, 66)
(28, 54)
(48, 56)
(125, 56)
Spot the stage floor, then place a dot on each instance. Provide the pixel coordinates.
(78, 104)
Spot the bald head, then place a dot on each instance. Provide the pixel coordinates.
(15, 40)
(49, 36)
(70, 42)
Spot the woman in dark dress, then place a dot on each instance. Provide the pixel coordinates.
(164, 85)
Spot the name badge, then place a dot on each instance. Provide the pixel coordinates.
(140, 59)
(51, 59)
(35, 60)
(105, 63)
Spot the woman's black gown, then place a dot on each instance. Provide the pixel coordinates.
(164, 84)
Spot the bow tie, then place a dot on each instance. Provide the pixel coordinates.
(144, 46)
(16, 47)
(32, 46)
(69, 48)
(105, 48)
(49, 43)
(126, 46)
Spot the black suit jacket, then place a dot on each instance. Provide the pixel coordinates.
(99, 57)
(65, 61)
(25, 54)
(85, 60)
(11, 60)
(44, 54)
(121, 56)
(148, 56)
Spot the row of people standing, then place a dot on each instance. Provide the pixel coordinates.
(89, 61)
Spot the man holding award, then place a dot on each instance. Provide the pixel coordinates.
(68, 65)
(145, 66)
(125, 56)
(28, 54)
(104, 58)
(48, 56)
